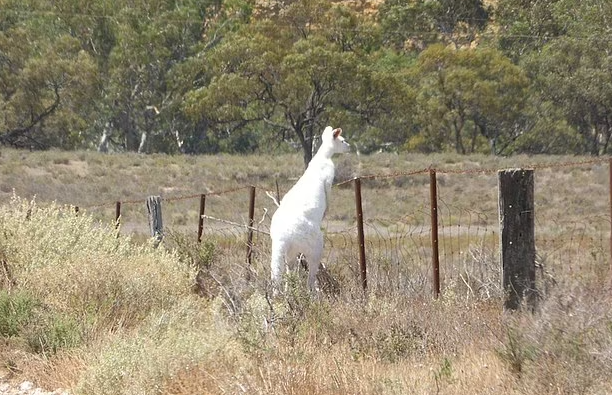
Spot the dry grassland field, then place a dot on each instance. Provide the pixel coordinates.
(95, 309)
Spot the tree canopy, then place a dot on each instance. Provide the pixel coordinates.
(241, 76)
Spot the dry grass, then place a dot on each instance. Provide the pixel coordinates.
(94, 182)
(106, 313)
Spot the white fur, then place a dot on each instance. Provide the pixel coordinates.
(296, 224)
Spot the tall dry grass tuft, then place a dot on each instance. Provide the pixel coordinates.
(566, 346)
(165, 345)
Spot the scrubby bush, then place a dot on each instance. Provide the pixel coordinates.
(54, 332)
(84, 270)
(167, 343)
(566, 344)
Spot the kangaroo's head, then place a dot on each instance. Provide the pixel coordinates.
(333, 141)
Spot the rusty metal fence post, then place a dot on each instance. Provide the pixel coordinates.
(435, 256)
(610, 191)
(360, 234)
(251, 223)
(117, 214)
(201, 217)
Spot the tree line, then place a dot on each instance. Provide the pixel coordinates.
(239, 76)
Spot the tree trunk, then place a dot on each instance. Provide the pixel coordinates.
(307, 148)
(143, 141)
(457, 126)
(103, 146)
(306, 143)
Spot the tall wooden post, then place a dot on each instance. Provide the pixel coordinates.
(156, 226)
(517, 237)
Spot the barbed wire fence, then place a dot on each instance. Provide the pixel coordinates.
(406, 245)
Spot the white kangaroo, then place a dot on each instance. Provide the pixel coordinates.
(296, 224)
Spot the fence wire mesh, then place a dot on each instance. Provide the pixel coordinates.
(570, 238)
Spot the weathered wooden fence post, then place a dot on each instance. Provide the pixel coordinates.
(362, 256)
(517, 237)
(154, 209)
(435, 250)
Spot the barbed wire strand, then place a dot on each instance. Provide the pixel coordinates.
(416, 254)
(409, 246)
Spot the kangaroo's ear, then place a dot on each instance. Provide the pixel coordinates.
(337, 132)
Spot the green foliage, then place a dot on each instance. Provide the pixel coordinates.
(199, 257)
(16, 311)
(516, 350)
(238, 76)
(291, 79)
(53, 84)
(414, 25)
(250, 332)
(545, 131)
(444, 373)
(54, 333)
(43, 330)
(560, 44)
(526, 25)
(471, 99)
(391, 344)
(569, 72)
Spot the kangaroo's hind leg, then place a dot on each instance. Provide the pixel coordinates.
(314, 260)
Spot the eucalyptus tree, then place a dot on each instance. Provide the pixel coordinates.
(565, 48)
(576, 75)
(47, 82)
(469, 100)
(78, 73)
(140, 108)
(526, 25)
(291, 72)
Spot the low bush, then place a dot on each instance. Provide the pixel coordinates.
(16, 310)
(53, 333)
(83, 270)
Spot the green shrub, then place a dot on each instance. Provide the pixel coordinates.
(16, 310)
(199, 257)
(54, 333)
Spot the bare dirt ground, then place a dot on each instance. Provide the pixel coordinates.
(26, 388)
